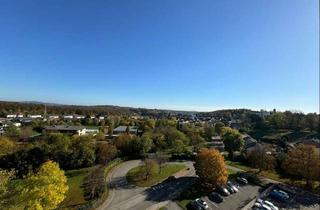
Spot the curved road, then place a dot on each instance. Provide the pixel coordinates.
(124, 196)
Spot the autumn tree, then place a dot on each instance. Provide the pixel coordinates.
(232, 139)
(6, 146)
(106, 152)
(45, 189)
(261, 159)
(303, 161)
(150, 168)
(5, 177)
(210, 168)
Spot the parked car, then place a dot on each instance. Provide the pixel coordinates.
(194, 206)
(265, 207)
(257, 205)
(273, 207)
(202, 203)
(223, 191)
(242, 180)
(230, 189)
(279, 195)
(268, 203)
(215, 197)
(233, 186)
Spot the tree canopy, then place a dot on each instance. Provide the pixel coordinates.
(210, 168)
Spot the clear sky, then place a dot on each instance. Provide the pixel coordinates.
(178, 54)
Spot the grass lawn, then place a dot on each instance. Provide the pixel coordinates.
(134, 177)
(240, 165)
(74, 195)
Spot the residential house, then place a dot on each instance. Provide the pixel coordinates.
(35, 116)
(126, 129)
(68, 117)
(249, 144)
(53, 117)
(216, 143)
(69, 130)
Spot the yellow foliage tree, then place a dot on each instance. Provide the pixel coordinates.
(44, 190)
(210, 168)
(6, 146)
(303, 161)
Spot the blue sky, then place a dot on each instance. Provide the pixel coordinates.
(177, 54)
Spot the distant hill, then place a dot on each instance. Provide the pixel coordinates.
(36, 107)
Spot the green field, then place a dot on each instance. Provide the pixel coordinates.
(74, 195)
(133, 176)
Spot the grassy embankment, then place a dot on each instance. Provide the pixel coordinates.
(75, 195)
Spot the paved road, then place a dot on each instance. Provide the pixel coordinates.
(124, 196)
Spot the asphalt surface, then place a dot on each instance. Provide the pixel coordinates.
(124, 196)
(235, 201)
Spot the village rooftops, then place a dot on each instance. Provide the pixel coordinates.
(65, 128)
(123, 129)
(80, 130)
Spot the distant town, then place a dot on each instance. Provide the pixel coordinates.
(128, 158)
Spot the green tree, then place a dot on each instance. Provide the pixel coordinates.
(218, 127)
(209, 131)
(83, 151)
(146, 143)
(196, 140)
(12, 131)
(232, 139)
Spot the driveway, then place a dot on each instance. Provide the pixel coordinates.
(124, 196)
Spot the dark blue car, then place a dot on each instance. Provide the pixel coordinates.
(279, 195)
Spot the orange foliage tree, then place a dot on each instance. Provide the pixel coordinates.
(210, 168)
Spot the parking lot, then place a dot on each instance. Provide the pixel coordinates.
(299, 199)
(237, 200)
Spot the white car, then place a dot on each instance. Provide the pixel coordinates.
(257, 205)
(202, 203)
(266, 207)
(273, 207)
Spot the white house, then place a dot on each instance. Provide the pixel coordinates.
(11, 116)
(68, 117)
(69, 130)
(80, 117)
(35, 116)
(53, 117)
